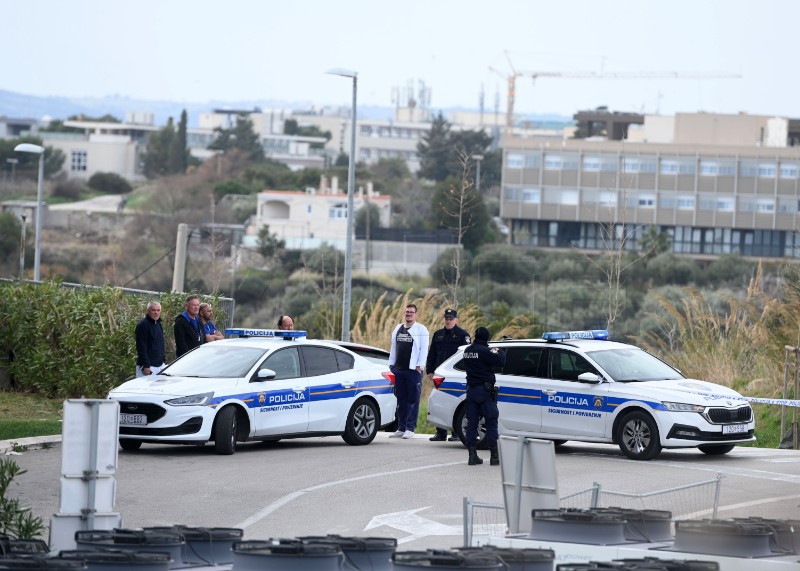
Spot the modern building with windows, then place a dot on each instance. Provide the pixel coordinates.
(710, 199)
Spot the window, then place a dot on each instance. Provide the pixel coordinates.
(569, 197)
(337, 211)
(566, 365)
(523, 361)
(364, 153)
(788, 170)
(344, 361)
(531, 195)
(669, 166)
(319, 361)
(512, 193)
(646, 201)
(766, 170)
(765, 205)
(285, 363)
(685, 202)
(366, 130)
(552, 162)
(515, 160)
(78, 161)
(640, 164)
(708, 168)
(591, 164)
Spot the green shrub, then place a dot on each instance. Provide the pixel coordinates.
(70, 343)
(70, 189)
(109, 183)
(15, 520)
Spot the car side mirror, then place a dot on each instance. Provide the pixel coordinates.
(590, 378)
(264, 375)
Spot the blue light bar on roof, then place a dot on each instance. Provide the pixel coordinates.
(599, 334)
(278, 333)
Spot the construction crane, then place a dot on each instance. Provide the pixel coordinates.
(534, 75)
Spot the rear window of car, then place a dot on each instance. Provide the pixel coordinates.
(378, 356)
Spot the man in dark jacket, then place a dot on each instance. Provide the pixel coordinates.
(187, 328)
(150, 342)
(479, 363)
(444, 344)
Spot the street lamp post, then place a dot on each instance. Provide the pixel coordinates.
(22, 248)
(37, 251)
(351, 182)
(478, 159)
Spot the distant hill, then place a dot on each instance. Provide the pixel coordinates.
(20, 106)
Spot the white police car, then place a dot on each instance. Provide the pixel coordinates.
(580, 386)
(264, 385)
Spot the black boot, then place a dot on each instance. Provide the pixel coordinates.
(473, 457)
(495, 459)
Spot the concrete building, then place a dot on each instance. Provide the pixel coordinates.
(307, 219)
(722, 185)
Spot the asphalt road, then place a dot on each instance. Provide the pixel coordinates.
(412, 490)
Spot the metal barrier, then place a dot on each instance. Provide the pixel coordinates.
(692, 501)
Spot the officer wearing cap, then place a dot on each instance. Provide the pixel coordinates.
(444, 344)
(479, 363)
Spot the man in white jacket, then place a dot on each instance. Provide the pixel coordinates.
(407, 361)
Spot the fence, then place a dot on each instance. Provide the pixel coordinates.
(698, 500)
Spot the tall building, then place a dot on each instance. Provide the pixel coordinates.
(715, 184)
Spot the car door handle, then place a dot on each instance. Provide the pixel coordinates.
(549, 391)
(298, 389)
(348, 384)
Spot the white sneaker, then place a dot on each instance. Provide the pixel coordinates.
(397, 434)
(408, 434)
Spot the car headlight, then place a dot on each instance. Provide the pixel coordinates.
(683, 407)
(192, 400)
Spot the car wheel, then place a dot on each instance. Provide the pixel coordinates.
(637, 436)
(362, 423)
(460, 428)
(716, 449)
(225, 431)
(130, 444)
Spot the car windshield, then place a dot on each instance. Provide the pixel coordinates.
(631, 364)
(216, 360)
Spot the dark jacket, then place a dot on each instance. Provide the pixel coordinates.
(444, 344)
(187, 335)
(149, 343)
(480, 361)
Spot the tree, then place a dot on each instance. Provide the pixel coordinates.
(434, 151)
(242, 137)
(269, 245)
(156, 159)
(367, 214)
(654, 242)
(9, 236)
(457, 205)
(179, 151)
(27, 165)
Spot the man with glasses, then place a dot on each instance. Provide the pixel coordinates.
(444, 344)
(406, 360)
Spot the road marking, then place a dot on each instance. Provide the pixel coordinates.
(409, 522)
(741, 472)
(288, 498)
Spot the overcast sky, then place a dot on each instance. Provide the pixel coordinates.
(236, 50)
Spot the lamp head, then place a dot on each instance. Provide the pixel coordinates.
(29, 148)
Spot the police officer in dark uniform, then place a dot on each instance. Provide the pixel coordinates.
(444, 344)
(479, 362)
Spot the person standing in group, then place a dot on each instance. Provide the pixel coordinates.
(187, 328)
(210, 331)
(150, 342)
(479, 363)
(444, 344)
(286, 323)
(407, 360)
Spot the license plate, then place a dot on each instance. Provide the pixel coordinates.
(139, 419)
(734, 428)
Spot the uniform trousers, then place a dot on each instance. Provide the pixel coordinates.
(480, 403)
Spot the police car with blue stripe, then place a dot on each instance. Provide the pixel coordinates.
(262, 385)
(581, 386)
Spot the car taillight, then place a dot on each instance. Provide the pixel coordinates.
(437, 380)
(389, 376)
